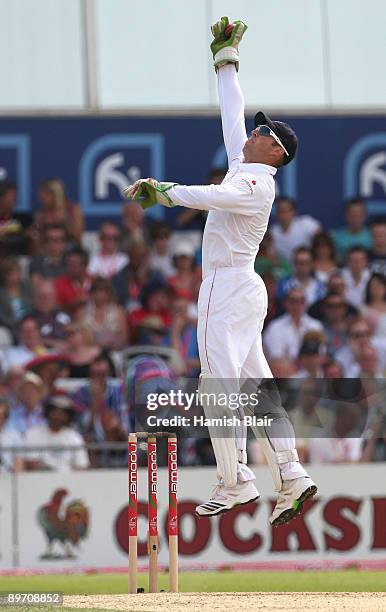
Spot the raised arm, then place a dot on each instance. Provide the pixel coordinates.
(226, 39)
(232, 112)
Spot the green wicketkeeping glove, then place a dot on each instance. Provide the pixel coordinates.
(225, 48)
(150, 192)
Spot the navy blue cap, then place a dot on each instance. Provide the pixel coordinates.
(283, 131)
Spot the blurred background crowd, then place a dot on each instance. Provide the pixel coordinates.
(85, 316)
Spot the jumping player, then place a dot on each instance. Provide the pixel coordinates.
(232, 302)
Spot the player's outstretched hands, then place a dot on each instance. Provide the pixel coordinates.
(226, 39)
(149, 192)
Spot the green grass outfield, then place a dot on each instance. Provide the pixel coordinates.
(318, 580)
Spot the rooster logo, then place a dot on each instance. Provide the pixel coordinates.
(68, 525)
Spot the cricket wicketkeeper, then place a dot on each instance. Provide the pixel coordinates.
(232, 304)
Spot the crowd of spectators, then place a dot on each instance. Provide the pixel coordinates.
(78, 307)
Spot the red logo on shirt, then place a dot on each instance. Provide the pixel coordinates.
(253, 182)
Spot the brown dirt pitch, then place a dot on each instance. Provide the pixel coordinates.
(229, 602)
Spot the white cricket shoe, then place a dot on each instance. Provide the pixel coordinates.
(291, 498)
(225, 498)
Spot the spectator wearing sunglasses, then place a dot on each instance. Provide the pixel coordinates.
(109, 261)
(359, 340)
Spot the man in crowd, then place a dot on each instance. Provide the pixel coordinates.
(50, 263)
(355, 233)
(291, 231)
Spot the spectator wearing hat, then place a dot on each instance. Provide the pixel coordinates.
(283, 337)
(49, 367)
(10, 460)
(335, 316)
(50, 263)
(291, 230)
(74, 285)
(355, 233)
(105, 318)
(110, 260)
(155, 300)
(160, 258)
(53, 436)
(377, 255)
(312, 355)
(52, 320)
(130, 281)
(15, 294)
(27, 411)
(30, 345)
(374, 309)
(356, 276)
(303, 277)
(184, 281)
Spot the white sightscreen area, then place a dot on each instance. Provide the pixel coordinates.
(304, 54)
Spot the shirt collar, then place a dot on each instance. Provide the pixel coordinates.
(257, 168)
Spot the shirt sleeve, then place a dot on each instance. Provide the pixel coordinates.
(232, 112)
(242, 195)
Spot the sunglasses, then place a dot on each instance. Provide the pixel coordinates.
(265, 130)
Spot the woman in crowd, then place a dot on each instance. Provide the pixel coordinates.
(57, 209)
(324, 256)
(374, 310)
(15, 294)
(105, 318)
(184, 280)
(81, 350)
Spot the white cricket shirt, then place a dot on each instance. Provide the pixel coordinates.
(239, 208)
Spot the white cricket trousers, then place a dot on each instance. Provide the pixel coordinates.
(232, 306)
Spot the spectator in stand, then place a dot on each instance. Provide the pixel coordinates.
(10, 383)
(335, 318)
(332, 369)
(273, 306)
(155, 300)
(74, 285)
(133, 217)
(49, 367)
(10, 460)
(15, 294)
(355, 233)
(312, 355)
(99, 400)
(53, 436)
(303, 277)
(356, 276)
(16, 235)
(283, 336)
(129, 282)
(105, 318)
(184, 281)
(28, 409)
(368, 362)
(183, 338)
(56, 209)
(269, 262)
(110, 260)
(335, 285)
(374, 310)
(50, 263)
(309, 417)
(194, 219)
(81, 350)
(377, 255)
(51, 320)
(359, 339)
(30, 345)
(324, 257)
(160, 258)
(292, 231)
(344, 444)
